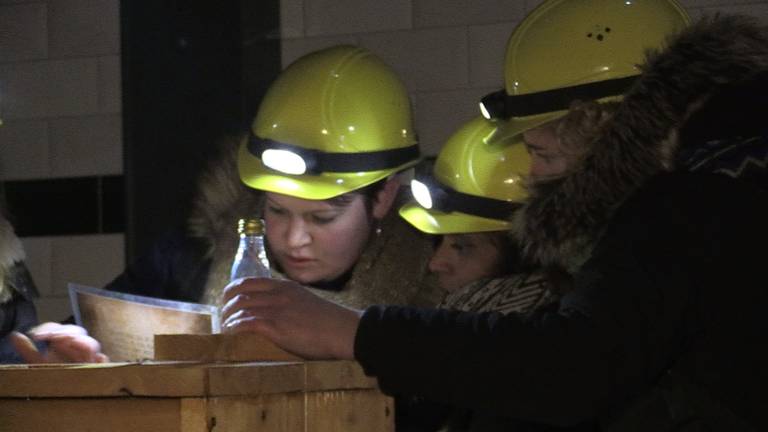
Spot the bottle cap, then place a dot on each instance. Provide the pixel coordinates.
(250, 226)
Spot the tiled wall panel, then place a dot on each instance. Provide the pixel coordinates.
(23, 32)
(432, 59)
(50, 88)
(24, 149)
(487, 45)
(86, 145)
(440, 13)
(333, 17)
(91, 260)
(83, 28)
(61, 140)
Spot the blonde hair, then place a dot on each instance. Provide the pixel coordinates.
(11, 252)
(577, 129)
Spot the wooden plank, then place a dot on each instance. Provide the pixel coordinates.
(349, 411)
(271, 413)
(109, 379)
(194, 415)
(109, 414)
(241, 347)
(255, 378)
(336, 375)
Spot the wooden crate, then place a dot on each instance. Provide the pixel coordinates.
(219, 347)
(193, 397)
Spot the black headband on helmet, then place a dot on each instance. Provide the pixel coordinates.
(501, 105)
(318, 162)
(448, 200)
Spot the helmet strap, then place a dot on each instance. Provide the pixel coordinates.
(319, 162)
(501, 105)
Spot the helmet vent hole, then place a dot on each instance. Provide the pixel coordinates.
(599, 32)
(598, 36)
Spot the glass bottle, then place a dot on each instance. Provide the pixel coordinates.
(251, 257)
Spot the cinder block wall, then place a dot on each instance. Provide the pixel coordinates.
(60, 101)
(60, 91)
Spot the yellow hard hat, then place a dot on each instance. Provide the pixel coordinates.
(587, 49)
(333, 121)
(475, 185)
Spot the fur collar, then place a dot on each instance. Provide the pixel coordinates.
(221, 200)
(11, 252)
(565, 216)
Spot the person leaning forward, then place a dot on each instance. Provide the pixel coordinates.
(663, 327)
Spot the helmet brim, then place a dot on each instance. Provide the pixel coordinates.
(436, 222)
(514, 127)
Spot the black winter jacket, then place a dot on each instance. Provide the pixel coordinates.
(664, 329)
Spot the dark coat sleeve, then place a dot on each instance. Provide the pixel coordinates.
(636, 311)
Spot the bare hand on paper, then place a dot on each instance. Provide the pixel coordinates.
(290, 316)
(67, 343)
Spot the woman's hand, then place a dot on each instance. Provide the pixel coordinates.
(67, 343)
(290, 316)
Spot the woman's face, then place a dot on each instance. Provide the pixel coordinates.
(316, 240)
(463, 258)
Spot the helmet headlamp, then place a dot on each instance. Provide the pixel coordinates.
(284, 161)
(421, 194)
(432, 195)
(295, 160)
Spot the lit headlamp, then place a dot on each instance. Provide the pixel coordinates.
(295, 160)
(432, 195)
(500, 105)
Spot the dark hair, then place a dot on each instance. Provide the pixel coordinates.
(369, 194)
(509, 250)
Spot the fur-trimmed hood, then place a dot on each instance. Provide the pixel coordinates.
(392, 270)
(565, 216)
(11, 253)
(221, 200)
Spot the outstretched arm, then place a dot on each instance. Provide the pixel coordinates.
(292, 317)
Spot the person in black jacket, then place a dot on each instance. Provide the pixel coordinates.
(53, 342)
(661, 224)
(17, 292)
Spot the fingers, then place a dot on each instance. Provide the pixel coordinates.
(249, 323)
(66, 343)
(46, 330)
(252, 300)
(244, 285)
(251, 311)
(79, 349)
(26, 348)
